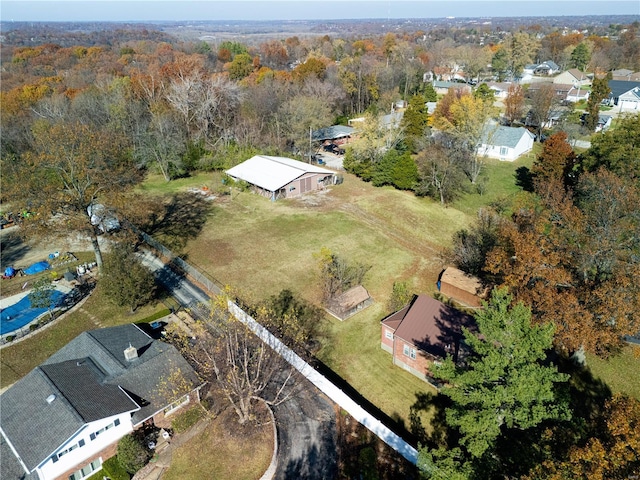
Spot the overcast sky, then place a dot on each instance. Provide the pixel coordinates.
(150, 10)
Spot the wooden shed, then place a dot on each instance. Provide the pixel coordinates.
(349, 303)
(462, 287)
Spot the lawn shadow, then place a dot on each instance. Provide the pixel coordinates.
(393, 422)
(524, 178)
(180, 220)
(434, 406)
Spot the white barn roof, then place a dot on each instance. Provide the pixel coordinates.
(272, 173)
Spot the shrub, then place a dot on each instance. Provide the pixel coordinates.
(33, 326)
(187, 419)
(112, 469)
(132, 455)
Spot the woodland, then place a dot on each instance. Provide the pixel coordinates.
(85, 118)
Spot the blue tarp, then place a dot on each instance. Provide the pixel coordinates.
(9, 272)
(20, 314)
(37, 268)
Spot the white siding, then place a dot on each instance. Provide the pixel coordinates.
(75, 458)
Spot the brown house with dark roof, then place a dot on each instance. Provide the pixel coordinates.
(462, 287)
(424, 332)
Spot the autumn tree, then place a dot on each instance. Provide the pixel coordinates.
(471, 246)
(555, 163)
(514, 103)
(338, 274)
(505, 384)
(126, 281)
(400, 296)
(41, 293)
(70, 167)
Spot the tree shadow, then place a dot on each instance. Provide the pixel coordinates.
(434, 407)
(180, 220)
(13, 248)
(524, 178)
(393, 422)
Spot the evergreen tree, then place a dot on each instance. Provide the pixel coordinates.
(430, 94)
(505, 384)
(414, 122)
(580, 57)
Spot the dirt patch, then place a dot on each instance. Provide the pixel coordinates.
(364, 455)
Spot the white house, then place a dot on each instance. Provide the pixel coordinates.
(629, 101)
(576, 94)
(65, 417)
(506, 143)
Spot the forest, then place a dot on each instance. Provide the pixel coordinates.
(85, 117)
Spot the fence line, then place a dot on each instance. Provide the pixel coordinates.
(320, 381)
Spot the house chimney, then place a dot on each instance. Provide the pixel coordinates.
(130, 354)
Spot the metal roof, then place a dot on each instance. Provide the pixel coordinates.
(272, 173)
(332, 132)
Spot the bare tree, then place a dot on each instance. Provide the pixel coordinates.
(243, 367)
(514, 103)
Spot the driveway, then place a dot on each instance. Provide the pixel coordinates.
(306, 436)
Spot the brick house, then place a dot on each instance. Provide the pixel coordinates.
(66, 416)
(423, 332)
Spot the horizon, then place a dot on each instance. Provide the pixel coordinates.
(301, 10)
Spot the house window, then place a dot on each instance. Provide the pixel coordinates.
(388, 334)
(177, 404)
(87, 470)
(504, 150)
(412, 353)
(115, 423)
(409, 352)
(405, 350)
(71, 448)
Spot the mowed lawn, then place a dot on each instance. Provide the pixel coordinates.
(619, 372)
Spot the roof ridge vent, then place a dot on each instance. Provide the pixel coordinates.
(131, 353)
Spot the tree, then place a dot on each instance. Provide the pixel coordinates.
(397, 169)
(400, 296)
(599, 91)
(243, 367)
(337, 274)
(470, 247)
(41, 292)
(543, 101)
(415, 122)
(500, 63)
(618, 150)
(70, 167)
(240, 67)
(484, 93)
(441, 173)
(132, 455)
(580, 57)
(514, 103)
(163, 144)
(300, 115)
(555, 163)
(429, 93)
(126, 281)
(506, 382)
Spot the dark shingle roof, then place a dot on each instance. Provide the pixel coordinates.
(83, 381)
(332, 132)
(618, 87)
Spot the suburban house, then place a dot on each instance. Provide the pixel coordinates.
(561, 89)
(423, 333)
(349, 302)
(573, 77)
(442, 87)
(505, 143)
(461, 287)
(65, 417)
(625, 74)
(577, 94)
(603, 123)
(499, 89)
(281, 177)
(624, 94)
(546, 68)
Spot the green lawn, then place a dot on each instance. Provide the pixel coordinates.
(619, 372)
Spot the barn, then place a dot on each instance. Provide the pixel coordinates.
(281, 177)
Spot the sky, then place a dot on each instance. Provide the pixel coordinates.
(163, 10)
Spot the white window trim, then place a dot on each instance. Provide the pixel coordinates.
(99, 459)
(388, 334)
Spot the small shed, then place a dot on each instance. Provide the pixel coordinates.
(462, 287)
(349, 303)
